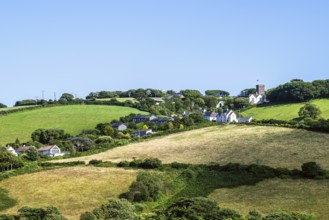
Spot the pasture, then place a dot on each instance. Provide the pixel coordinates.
(272, 146)
(285, 111)
(73, 190)
(73, 119)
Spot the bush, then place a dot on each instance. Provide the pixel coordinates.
(151, 163)
(95, 162)
(123, 164)
(177, 165)
(312, 170)
(198, 208)
(147, 187)
(116, 209)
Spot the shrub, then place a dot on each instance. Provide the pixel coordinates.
(123, 164)
(95, 162)
(311, 170)
(151, 163)
(116, 209)
(147, 187)
(198, 208)
(177, 165)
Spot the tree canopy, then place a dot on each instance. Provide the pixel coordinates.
(218, 93)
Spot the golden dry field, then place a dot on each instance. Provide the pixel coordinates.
(273, 146)
(73, 190)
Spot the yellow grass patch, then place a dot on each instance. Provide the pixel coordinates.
(72, 190)
(277, 194)
(273, 146)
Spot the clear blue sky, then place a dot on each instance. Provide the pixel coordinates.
(81, 46)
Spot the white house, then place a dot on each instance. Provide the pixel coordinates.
(226, 117)
(51, 150)
(210, 116)
(256, 99)
(119, 126)
(11, 150)
(244, 120)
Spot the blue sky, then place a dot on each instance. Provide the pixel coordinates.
(81, 46)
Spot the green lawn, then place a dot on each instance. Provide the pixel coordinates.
(286, 111)
(72, 119)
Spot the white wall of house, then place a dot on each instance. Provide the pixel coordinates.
(256, 99)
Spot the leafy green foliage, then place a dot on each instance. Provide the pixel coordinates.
(2, 105)
(299, 91)
(82, 143)
(312, 170)
(39, 213)
(147, 187)
(9, 161)
(116, 209)
(247, 92)
(46, 136)
(198, 208)
(218, 93)
(309, 111)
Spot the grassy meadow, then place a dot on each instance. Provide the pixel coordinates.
(273, 146)
(277, 194)
(72, 118)
(72, 190)
(286, 111)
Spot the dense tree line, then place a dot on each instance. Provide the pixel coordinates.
(299, 91)
(132, 93)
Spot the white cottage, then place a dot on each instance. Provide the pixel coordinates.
(11, 150)
(210, 116)
(256, 99)
(226, 117)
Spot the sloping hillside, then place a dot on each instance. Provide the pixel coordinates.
(72, 118)
(72, 190)
(285, 111)
(273, 146)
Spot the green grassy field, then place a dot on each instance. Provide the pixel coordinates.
(72, 118)
(285, 111)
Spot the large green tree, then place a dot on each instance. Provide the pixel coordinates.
(309, 111)
(2, 105)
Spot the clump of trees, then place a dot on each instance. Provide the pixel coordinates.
(36, 213)
(116, 209)
(147, 187)
(299, 91)
(2, 105)
(8, 161)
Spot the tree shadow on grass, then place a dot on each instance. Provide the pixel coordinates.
(5, 201)
(209, 180)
